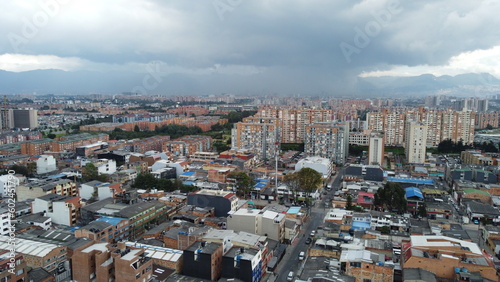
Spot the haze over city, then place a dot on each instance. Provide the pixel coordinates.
(245, 47)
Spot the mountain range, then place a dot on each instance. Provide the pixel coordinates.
(85, 82)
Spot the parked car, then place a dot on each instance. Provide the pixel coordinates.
(313, 233)
(308, 240)
(290, 276)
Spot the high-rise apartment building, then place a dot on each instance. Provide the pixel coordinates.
(328, 140)
(25, 118)
(485, 119)
(415, 142)
(376, 148)
(391, 122)
(441, 124)
(258, 135)
(293, 121)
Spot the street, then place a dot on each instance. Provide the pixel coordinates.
(290, 261)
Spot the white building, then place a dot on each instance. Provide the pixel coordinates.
(4, 179)
(61, 209)
(264, 223)
(321, 165)
(98, 190)
(415, 142)
(104, 166)
(376, 149)
(179, 169)
(5, 221)
(45, 164)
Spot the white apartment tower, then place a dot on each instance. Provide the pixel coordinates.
(415, 142)
(376, 148)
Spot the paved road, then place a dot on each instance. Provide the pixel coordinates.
(290, 261)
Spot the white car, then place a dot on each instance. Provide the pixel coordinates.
(290, 276)
(313, 233)
(302, 255)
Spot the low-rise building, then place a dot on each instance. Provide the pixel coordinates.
(105, 262)
(222, 201)
(51, 257)
(45, 164)
(366, 266)
(61, 209)
(42, 187)
(12, 268)
(243, 264)
(264, 223)
(443, 256)
(99, 190)
(203, 260)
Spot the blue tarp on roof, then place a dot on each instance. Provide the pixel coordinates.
(260, 185)
(261, 180)
(360, 225)
(188, 182)
(188, 173)
(411, 180)
(111, 220)
(413, 192)
(293, 210)
(60, 175)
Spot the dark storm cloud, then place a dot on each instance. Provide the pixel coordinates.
(317, 42)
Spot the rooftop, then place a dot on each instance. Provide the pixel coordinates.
(28, 247)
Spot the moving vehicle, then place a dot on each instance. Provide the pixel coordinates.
(302, 256)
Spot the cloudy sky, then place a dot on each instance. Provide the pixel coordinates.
(272, 45)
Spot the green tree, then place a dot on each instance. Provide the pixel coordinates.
(136, 128)
(391, 197)
(292, 183)
(147, 181)
(31, 168)
(20, 169)
(90, 173)
(422, 210)
(348, 205)
(243, 182)
(309, 179)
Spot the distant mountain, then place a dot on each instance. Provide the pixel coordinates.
(428, 83)
(85, 82)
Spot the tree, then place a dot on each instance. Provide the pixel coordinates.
(243, 182)
(90, 173)
(422, 210)
(136, 128)
(309, 179)
(391, 197)
(147, 181)
(292, 183)
(348, 205)
(19, 169)
(31, 168)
